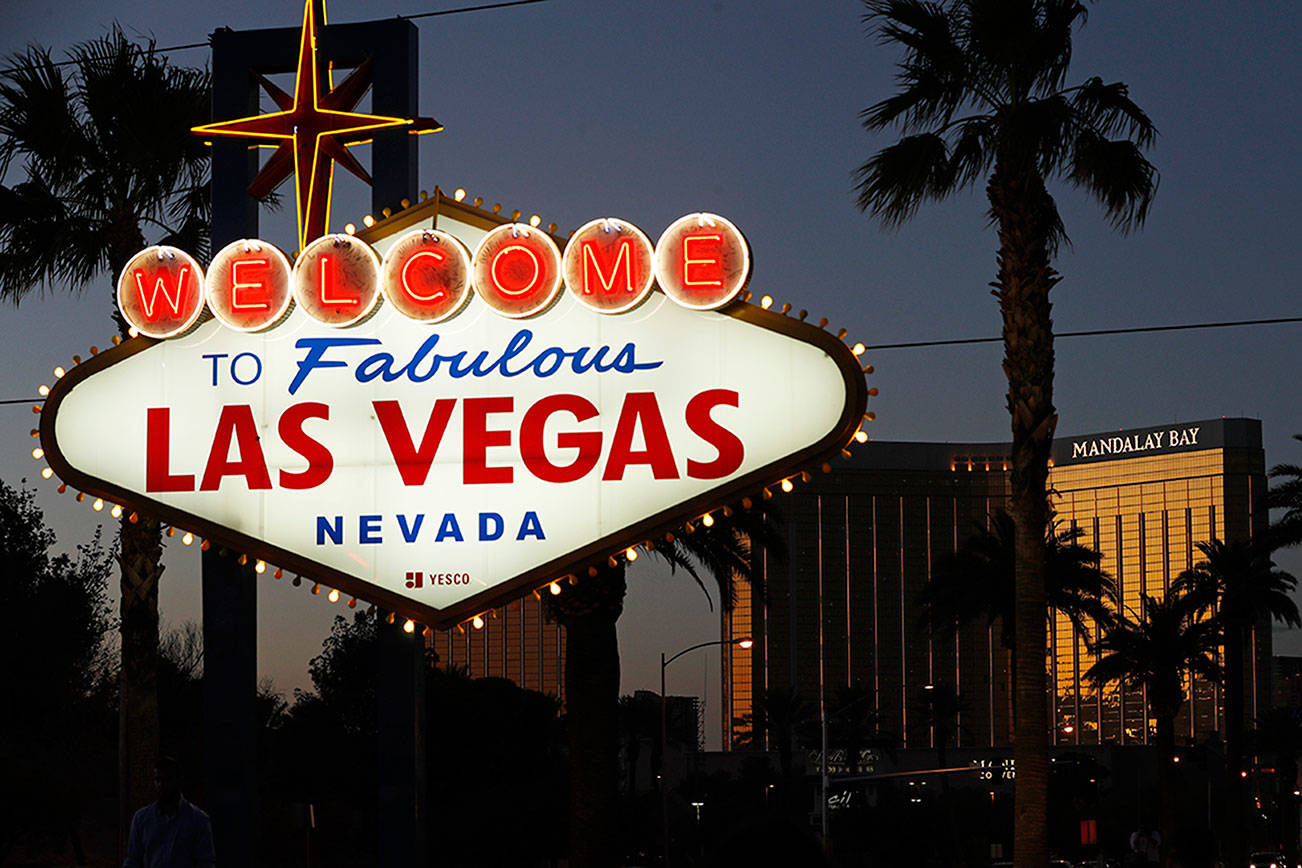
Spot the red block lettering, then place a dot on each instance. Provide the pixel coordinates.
(319, 460)
(236, 421)
(477, 438)
(592, 266)
(703, 261)
(413, 462)
(533, 449)
(727, 444)
(158, 476)
(640, 410)
(175, 299)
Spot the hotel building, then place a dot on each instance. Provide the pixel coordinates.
(840, 608)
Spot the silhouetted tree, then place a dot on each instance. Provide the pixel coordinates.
(106, 159)
(983, 97)
(1237, 584)
(56, 731)
(1169, 640)
(1286, 495)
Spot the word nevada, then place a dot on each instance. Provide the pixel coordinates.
(702, 261)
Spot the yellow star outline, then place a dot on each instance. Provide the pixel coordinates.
(310, 125)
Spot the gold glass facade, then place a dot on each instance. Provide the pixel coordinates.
(840, 608)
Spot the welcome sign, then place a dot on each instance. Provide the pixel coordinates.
(457, 415)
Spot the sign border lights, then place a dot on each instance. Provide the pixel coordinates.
(744, 490)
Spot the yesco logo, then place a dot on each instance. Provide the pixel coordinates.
(701, 262)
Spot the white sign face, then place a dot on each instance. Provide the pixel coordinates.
(442, 469)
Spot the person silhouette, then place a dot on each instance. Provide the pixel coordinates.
(170, 832)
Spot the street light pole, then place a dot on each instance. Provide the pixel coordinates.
(744, 642)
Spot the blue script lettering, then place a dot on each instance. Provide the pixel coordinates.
(515, 359)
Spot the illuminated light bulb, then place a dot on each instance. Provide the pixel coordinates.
(187, 539)
(132, 332)
(35, 432)
(768, 495)
(409, 626)
(845, 453)
(350, 228)
(459, 195)
(278, 573)
(861, 436)
(116, 511)
(38, 453)
(36, 408)
(497, 206)
(822, 323)
(841, 333)
(479, 201)
(47, 473)
(612, 562)
(804, 476)
(631, 554)
(669, 537)
(43, 390)
(334, 595)
(477, 622)
(63, 486)
(707, 520)
(858, 349)
(76, 360)
(870, 416)
(368, 220)
(242, 560)
(387, 212)
(535, 221)
(555, 588)
(389, 619)
(766, 302)
(133, 518)
(204, 545)
(170, 531)
(59, 372)
(98, 504)
(687, 526)
(592, 573)
(786, 308)
(826, 468)
(746, 503)
(424, 194)
(316, 588)
(551, 227)
(260, 567)
(352, 603)
(515, 215)
(81, 495)
(868, 369)
(406, 203)
(787, 486)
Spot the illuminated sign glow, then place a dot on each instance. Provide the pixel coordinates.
(248, 285)
(160, 292)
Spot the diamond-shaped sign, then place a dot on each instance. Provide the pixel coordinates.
(441, 470)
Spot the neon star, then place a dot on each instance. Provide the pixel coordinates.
(312, 132)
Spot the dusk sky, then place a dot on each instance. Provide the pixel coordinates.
(576, 110)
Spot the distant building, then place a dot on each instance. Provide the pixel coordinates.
(842, 608)
(1288, 682)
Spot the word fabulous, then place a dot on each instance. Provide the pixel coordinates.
(701, 262)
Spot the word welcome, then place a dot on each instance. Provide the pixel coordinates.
(609, 266)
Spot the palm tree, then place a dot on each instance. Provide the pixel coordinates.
(984, 97)
(105, 160)
(589, 609)
(1278, 736)
(1287, 495)
(1169, 640)
(1239, 583)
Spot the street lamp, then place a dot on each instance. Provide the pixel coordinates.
(745, 642)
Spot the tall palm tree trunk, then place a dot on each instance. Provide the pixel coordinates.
(1234, 765)
(1166, 813)
(1024, 213)
(588, 611)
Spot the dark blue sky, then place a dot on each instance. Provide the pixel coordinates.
(575, 110)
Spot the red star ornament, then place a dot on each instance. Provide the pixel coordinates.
(312, 132)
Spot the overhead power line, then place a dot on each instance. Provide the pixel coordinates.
(1093, 333)
(436, 13)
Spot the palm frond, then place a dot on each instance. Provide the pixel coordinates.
(1116, 173)
(900, 177)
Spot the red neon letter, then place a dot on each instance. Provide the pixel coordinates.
(260, 300)
(696, 278)
(236, 420)
(534, 452)
(624, 256)
(328, 287)
(727, 444)
(319, 460)
(406, 280)
(160, 285)
(158, 476)
(640, 410)
(515, 272)
(413, 463)
(476, 439)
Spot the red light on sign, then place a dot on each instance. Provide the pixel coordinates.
(702, 261)
(609, 265)
(426, 275)
(517, 270)
(160, 291)
(248, 285)
(337, 280)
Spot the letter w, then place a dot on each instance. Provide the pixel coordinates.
(160, 285)
(413, 461)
